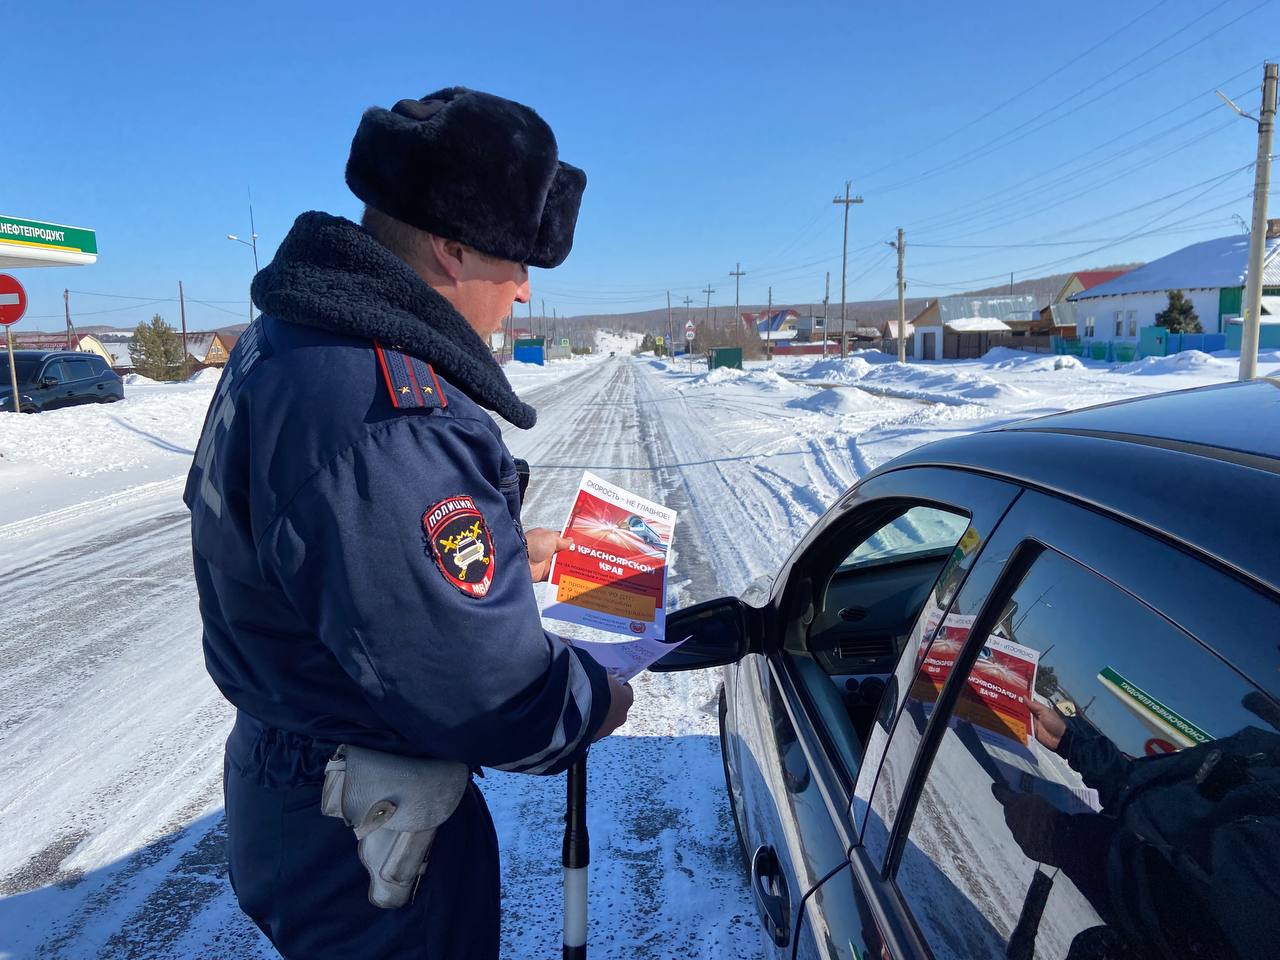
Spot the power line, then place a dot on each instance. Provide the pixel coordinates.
(1013, 193)
(933, 144)
(964, 284)
(1027, 127)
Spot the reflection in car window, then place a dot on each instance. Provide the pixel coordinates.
(905, 738)
(1106, 787)
(55, 369)
(919, 530)
(865, 619)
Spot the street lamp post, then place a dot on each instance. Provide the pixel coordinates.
(251, 243)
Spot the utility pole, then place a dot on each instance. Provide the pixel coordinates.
(182, 312)
(1258, 238)
(543, 317)
(737, 274)
(844, 261)
(826, 295)
(66, 311)
(901, 247)
(768, 327)
(708, 291)
(670, 341)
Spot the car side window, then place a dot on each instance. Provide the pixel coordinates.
(1105, 785)
(56, 370)
(871, 600)
(78, 369)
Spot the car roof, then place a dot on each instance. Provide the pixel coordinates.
(44, 354)
(1201, 467)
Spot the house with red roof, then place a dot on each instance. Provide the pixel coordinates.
(1078, 282)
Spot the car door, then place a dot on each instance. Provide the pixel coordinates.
(797, 748)
(1086, 764)
(83, 384)
(52, 388)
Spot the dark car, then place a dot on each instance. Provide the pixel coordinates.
(51, 379)
(1017, 694)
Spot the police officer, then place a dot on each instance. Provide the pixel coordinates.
(364, 578)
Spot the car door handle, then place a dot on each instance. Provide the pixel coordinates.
(769, 887)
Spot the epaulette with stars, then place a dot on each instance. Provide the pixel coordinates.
(411, 383)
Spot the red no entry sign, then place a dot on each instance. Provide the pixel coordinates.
(13, 300)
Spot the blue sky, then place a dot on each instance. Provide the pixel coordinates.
(712, 134)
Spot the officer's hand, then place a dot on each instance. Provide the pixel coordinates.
(543, 545)
(620, 699)
(1050, 725)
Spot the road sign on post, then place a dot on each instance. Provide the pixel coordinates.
(13, 304)
(13, 300)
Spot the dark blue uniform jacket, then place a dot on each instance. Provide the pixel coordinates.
(362, 571)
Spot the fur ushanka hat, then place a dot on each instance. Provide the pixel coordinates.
(471, 167)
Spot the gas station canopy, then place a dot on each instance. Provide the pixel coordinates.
(31, 243)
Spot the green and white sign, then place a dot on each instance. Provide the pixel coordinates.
(1153, 714)
(564, 341)
(34, 243)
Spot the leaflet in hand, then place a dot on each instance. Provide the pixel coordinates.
(615, 577)
(625, 658)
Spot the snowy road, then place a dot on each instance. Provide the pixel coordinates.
(111, 733)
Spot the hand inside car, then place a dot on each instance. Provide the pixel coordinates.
(543, 545)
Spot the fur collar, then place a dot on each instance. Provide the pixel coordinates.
(330, 274)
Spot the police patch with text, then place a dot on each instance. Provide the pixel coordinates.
(461, 544)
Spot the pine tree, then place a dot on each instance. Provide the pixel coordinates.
(156, 350)
(1179, 316)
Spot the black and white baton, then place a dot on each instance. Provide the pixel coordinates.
(575, 855)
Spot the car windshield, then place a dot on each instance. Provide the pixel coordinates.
(919, 531)
(27, 370)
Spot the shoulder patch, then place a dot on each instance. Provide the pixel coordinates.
(460, 543)
(410, 382)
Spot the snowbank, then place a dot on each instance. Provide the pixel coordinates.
(1184, 362)
(766, 379)
(1002, 358)
(837, 401)
(138, 380)
(207, 375)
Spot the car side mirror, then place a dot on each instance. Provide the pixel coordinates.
(47, 382)
(719, 633)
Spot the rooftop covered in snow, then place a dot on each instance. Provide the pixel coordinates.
(1210, 264)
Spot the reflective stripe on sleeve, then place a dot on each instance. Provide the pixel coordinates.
(578, 694)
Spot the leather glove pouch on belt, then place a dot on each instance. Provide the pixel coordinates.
(395, 804)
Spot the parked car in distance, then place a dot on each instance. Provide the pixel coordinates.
(48, 379)
(1017, 695)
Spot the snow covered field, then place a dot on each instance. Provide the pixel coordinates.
(112, 733)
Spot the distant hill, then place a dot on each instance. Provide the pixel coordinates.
(99, 329)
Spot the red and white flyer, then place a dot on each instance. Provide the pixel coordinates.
(998, 694)
(615, 577)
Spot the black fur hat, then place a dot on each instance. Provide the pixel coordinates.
(471, 167)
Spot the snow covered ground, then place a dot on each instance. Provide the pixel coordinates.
(112, 733)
